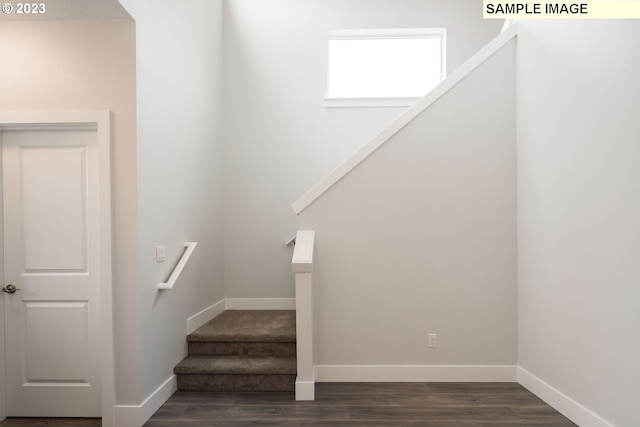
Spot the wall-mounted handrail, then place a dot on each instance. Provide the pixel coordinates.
(189, 247)
(291, 241)
(302, 266)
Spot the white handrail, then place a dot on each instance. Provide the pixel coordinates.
(291, 241)
(190, 246)
(302, 266)
(411, 113)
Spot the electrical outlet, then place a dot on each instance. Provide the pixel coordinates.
(433, 340)
(160, 254)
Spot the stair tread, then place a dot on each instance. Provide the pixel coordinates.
(237, 365)
(248, 326)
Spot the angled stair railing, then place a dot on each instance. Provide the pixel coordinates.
(189, 247)
(453, 79)
(302, 266)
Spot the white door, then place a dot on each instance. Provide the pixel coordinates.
(51, 255)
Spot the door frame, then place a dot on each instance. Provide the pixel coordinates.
(100, 120)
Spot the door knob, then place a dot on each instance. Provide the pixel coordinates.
(10, 289)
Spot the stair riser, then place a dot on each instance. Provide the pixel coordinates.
(205, 382)
(241, 349)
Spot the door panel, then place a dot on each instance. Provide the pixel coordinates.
(54, 203)
(51, 254)
(47, 323)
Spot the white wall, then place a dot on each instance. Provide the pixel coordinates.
(279, 138)
(579, 208)
(167, 189)
(421, 238)
(179, 72)
(87, 65)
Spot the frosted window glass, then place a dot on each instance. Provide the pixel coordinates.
(384, 67)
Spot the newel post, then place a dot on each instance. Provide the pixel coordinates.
(302, 266)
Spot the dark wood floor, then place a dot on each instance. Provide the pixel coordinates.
(366, 404)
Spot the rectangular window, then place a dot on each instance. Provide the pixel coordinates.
(384, 67)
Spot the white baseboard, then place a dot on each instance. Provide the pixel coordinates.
(305, 390)
(559, 401)
(199, 319)
(260, 303)
(415, 373)
(137, 415)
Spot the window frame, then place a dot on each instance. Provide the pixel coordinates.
(390, 33)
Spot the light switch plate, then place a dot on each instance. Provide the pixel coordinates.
(160, 254)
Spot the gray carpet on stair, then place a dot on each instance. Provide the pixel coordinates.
(242, 350)
(237, 365)
(249, 326)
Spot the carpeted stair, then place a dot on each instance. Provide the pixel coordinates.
(242, 350)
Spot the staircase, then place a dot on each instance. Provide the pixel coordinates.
(242, 350)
